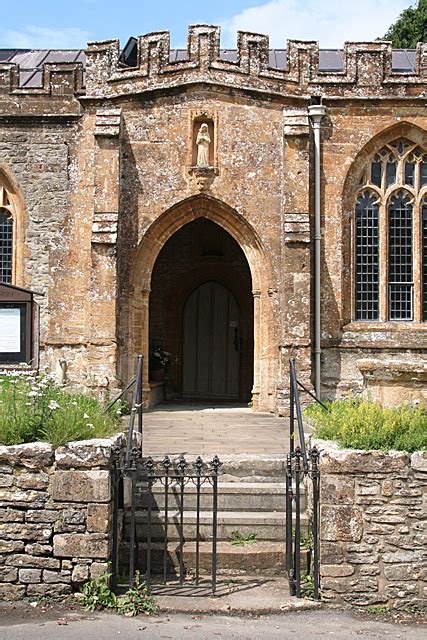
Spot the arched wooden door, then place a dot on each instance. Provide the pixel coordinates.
(211, 343)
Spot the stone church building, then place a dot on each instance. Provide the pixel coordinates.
(231, 207)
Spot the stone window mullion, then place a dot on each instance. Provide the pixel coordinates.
(383, 263)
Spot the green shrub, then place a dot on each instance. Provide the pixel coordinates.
(33, 408)
(359, 424)
(98, 595)
(137, 599)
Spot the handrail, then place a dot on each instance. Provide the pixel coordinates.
(296, 403)
(136, 405)
(121, 394)
(312, 395)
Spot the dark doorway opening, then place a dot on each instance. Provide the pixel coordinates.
(201, 312)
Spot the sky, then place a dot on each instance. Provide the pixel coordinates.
(56, 24)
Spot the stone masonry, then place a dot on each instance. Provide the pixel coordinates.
(55, 517)
(373, 527)
(99, 168)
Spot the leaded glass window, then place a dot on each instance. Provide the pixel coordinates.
(390, 229)
(6, 237)
(6, 246)
(424, 259)
(367, 257)
(400, 260)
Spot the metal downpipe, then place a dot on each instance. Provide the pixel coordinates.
(316, 113)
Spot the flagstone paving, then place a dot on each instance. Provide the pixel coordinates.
(202, 429)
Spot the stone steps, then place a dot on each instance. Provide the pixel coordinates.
(260, 558)
(266, 525)
(232, 496)
(251, 500)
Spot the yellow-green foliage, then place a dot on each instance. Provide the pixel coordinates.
(33, 408)
(359, 424)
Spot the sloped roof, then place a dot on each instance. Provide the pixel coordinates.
(31, 61)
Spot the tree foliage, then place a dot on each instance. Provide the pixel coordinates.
(409, 28)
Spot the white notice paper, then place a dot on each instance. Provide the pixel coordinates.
(10, 330)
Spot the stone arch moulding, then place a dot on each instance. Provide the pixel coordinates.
(403, 129)
(20, 222)
(231, 221)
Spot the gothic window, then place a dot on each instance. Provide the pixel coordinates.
(424, 243)
(6, 237)
(367, 257)
(390, 235)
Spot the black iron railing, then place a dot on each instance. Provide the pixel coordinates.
(157, 512)
(301, 467)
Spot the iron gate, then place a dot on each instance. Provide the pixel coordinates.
(152, 496)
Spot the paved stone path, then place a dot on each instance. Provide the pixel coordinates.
(192, 429)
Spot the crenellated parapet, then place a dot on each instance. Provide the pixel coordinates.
(61, 85)
(367, 67)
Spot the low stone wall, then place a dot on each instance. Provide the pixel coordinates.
(55, 513)
(373, 517)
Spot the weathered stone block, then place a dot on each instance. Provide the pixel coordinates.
(81, 486)
(98, 518)
(34, 455)
(20, 496)
(86, 453)
(336, 570)
(97, 569)
(341, 523)
(37, 549)
(80, 574)
(334, 488)
(419, 461)
(403, 572)
(19, 531)
(32, 480)
(49, 590)
(73, 517)
(11, 515)
(364, 585)
(32, 561)
(80, 545)
(12, 592)
(41, 515)
(57, 576)
(331, 553)
(403, 556)
(30, 576)
(8, 574)
(11, 546)
(6, 480)
(357, 462)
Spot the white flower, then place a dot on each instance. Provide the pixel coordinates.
(32, 394)
(85, 416)
(53, 404)
(119, 412)
(90, 425)
(74, 403)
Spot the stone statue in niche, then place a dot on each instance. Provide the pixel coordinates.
(203, 141)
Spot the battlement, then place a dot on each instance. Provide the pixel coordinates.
(61, 83)
(359, 70)
(365, 65)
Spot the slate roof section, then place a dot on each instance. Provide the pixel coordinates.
(31, 61)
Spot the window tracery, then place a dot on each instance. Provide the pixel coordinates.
(6, 237)
(390, 235)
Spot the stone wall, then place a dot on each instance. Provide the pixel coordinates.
(373, 521)
(55, 512)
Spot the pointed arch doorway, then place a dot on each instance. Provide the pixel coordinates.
(201, 311)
